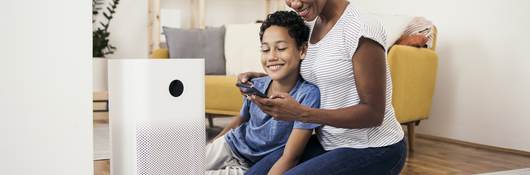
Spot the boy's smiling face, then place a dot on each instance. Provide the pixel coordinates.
(280, 55)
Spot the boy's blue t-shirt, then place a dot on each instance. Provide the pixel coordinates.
(262, 134)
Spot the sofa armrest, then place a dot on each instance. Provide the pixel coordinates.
(160, 53)
(222, 95)
(413, 73)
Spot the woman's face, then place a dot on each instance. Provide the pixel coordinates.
(307, 9)
(280, 56)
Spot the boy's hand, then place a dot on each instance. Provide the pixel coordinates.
(246, 76)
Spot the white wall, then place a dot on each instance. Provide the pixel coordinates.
(482, 93)
(128, 30)
(183, 6)
(219, 12)
(45, 88)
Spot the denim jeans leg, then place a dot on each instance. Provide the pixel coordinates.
(313, 149)
(265, 164)
(367, 161)
(399, 165)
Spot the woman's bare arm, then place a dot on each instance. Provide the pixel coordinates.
(369, 65)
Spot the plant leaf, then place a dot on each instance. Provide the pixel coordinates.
(107, 15)
(110, 10)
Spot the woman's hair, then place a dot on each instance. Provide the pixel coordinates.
(295, 25)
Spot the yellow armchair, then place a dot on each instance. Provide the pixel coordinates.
(413, 72)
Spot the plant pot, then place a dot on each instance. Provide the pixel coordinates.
(99, 74)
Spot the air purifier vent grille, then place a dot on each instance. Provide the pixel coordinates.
(166, 148)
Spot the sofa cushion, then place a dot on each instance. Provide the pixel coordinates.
(242, 48)
(198, 43)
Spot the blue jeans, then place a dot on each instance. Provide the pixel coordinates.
(315, 160)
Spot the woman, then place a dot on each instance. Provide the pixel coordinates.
(346, 59)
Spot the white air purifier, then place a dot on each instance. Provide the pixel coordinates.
(157, 116)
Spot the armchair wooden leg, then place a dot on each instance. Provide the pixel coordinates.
(411, 134)
(210, 120)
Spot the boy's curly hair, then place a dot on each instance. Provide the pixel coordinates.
(295, 25)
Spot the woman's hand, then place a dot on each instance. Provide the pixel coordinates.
(281, 106)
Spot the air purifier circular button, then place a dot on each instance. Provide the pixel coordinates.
(176, 88)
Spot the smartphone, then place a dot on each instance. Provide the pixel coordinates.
(250, 90)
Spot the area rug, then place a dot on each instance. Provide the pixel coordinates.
(524, 171)
(101, 142)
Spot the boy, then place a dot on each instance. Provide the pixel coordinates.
(254, 134)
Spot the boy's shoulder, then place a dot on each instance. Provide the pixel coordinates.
(307, 87)
(308, 94)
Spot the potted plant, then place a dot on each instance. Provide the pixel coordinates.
(100, 36)
(102, 13)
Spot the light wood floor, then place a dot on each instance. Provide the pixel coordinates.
(430, 157)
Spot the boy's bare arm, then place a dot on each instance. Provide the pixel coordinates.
(234, 123)
(293, 151)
